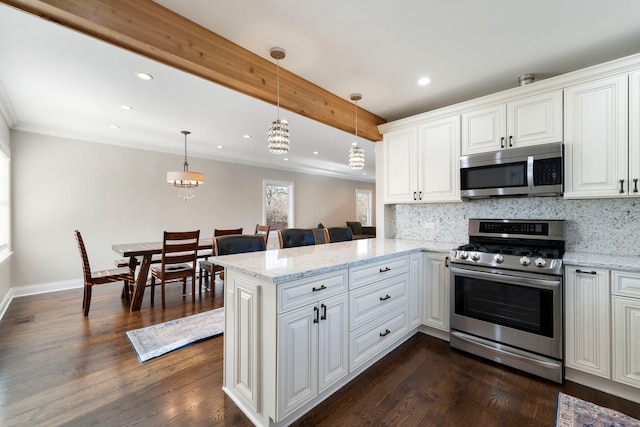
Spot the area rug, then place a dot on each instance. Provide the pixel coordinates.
(574, 412)
(156, 340)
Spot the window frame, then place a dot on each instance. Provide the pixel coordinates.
(369, 213)
(291, 185)
(5, 204)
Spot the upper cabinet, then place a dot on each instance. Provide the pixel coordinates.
(532, 120)
(422, 162)
(600, 160)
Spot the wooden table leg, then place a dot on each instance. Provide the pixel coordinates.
(141, 283)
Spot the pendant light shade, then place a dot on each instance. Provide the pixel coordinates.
(185, 180)
(278, 135)
(356, 153)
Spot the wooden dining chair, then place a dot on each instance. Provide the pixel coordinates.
(207, 268)
(179, 253)
(263, 230)
(93, 278)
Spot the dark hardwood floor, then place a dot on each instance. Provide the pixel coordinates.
(59, 368)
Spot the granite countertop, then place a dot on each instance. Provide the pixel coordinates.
(284, 265)
(615, 262)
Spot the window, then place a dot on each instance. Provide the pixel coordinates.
(278, 204)
(363, 206)
(5, 218)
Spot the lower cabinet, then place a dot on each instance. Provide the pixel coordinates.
(312, 351)
(587, 320)
(436, 291)
(625, 305)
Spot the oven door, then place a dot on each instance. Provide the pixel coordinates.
(512, 308)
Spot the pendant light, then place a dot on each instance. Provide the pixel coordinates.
(184, 180)
(356, 153)
(278, 141)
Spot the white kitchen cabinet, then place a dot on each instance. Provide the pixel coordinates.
(596, 140)
(532, 120)
(436, 291)
(416, 288)
(422, 162)
(313, 351)
(625, 308)
(587, 321)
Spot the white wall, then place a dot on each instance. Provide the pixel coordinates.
(120, 195)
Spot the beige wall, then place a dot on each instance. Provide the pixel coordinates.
(119, 195)
(5, 267)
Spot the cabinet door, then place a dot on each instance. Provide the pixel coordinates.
(634, 133)
(399, 173)
(483, 129)
(535, 120)
(416, 287)
(439, 160)
(626, 340)
(297, 358)
(436, 292)
(333, 341)
(587, 320)
(596, 138)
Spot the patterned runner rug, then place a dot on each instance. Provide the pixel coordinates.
(574, 412)
(156, 340)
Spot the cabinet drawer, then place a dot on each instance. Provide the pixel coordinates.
(369, 273)
(625, 283)
(368, 302)
(368, 341)
(306, 291)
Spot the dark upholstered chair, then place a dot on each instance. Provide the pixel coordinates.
(321, 236)
(293, 237)
(238, 244)
(207, 268)
(93, 278)
(179, 253)
(339, 234)
(361, 231)
(263, 230)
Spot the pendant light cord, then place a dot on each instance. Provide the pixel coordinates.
(356, 104)
(278, 85)
(186, 163)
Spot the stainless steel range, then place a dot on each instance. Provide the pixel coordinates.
(506, 294)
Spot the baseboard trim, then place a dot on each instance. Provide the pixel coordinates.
(22, 291)
(603, 384)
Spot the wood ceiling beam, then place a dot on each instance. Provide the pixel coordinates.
(151, 30)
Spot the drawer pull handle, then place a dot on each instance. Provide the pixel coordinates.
(323, 287)
(385, 333)
(386, 297)
(384, 270)
(585, 272)
(324, 312)
(315, 315)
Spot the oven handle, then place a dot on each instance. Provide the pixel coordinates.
(525, 281)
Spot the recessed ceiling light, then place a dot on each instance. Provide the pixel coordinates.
(126, 107)
(364, 173)
(247, 136)
(423, 81)
(285, 159)
(316, 152)
(144, 76)
(220, 146)
(114, 126)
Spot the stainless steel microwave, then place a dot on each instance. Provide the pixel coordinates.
(528, 171)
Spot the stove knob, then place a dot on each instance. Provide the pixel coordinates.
(541, 262)
(475, 256)
(498, 258)
(463, 255)
(525, 260)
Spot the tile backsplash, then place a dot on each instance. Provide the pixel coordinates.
(610, 226)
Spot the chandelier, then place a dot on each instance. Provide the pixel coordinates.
(184, 180)
(278, 140)
(356, 153)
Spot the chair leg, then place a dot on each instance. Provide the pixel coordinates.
(200, 280)
(153, 290)
(87, 299)
(184, 286)
(162, 286)
(193, 286)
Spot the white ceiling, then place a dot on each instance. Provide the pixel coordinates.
(56, 81)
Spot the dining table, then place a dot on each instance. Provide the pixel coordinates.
(146, 251)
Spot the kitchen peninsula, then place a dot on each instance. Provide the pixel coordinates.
(302, 322)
